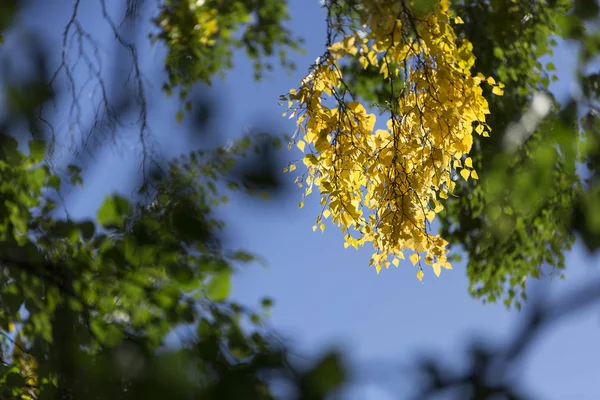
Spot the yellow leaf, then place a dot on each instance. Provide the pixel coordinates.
(458, 21)
(322, 227)
(497, 91)
(469, 162)
(414, 258)
(292, 167)
(395, 262)
(314, 228)
(420, 275)
(465, 174)
(431, 216)
(356, 107)
(349, 42)
(437, 269)
(363, 61)
(372, 57)
(301, 204)
(474, 174)
(310, 160)
(326, 213)
(301, 145)
(491, 81)
(384, 70)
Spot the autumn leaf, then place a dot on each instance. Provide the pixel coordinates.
(414, 258)
(465, 174)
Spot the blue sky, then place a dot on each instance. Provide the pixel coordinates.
(326, 295)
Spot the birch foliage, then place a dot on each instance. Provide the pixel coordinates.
(383, 181)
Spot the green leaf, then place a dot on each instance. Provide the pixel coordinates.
(54, 182)
(243, 256)
(12, 302)
(326, 375)
(189, 228)
(219, 286)
(267, 302)
(65, 229)
(75, 175)
(38, 176)
(15, 380)
(87, 229)
(111, 336)
(113, 211)
(204, 328)
(9, 149)
(37, 150)
(184, 276)
(586, 9)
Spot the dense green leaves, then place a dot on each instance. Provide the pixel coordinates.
(157, 265)
(202, 36)
(518, 220)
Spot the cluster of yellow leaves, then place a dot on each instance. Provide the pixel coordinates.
(383, 186)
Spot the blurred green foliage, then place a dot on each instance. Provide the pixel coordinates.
(201, 37)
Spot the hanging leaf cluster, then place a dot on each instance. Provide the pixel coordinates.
(385, 186)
